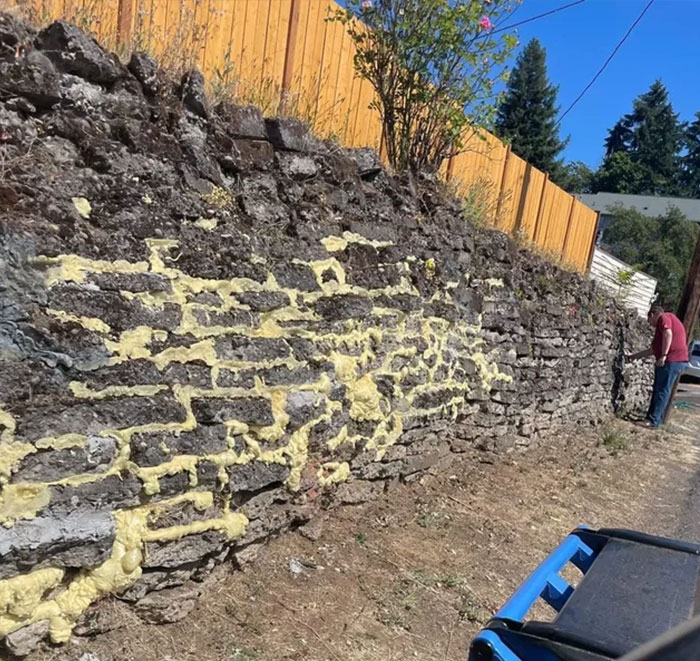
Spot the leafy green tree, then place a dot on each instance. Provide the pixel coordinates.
(690, 162)
(620, 174)
(575, 177)
(527, 115)
(662, 247)
(649, 138)
(434, 65)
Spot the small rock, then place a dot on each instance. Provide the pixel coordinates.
(95, 620)
(296, 166)
(89, 656)
(144, 68)
(21, 105)
(298, 566)
(246, 154)
(247, 555)
(356, 492)
(301, 407)
(168, 606)
(288, 134)
(295, 567)
(192, 93)
(73, 51)
(345, 306)
(313, 529)
(242, 121)
(34, 78)
(367, 161)
(25, 640)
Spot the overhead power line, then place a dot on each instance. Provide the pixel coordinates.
(534, 18)
(605, 64)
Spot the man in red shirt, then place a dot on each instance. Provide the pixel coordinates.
(670, 348)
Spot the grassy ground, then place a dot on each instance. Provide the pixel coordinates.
(415, 575)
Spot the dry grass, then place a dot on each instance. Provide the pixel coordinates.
(482, 203)
(181, 47)
(12, 160)
(393, 587)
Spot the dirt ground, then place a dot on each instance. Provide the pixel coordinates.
(416, 574)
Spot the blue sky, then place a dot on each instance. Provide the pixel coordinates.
(666, 45)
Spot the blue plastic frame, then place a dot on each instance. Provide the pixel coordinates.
(544, 582)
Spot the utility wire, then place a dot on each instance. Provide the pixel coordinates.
(534, 18)
(605, 64)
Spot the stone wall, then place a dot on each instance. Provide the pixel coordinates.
(213, 325)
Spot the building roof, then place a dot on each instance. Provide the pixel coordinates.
(649, 205)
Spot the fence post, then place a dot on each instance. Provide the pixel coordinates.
(125, 17)
(524, 192)
(540, 209)
(450, 168)
(499, 201)
(591, 249)
(569, 222)
(289, 53)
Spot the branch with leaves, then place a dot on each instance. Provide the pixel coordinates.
(435, 66)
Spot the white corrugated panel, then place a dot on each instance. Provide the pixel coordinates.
(636, 291)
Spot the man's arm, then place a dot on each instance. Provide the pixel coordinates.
(666, 340)
(641, 354)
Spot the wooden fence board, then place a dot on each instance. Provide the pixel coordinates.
(513, 188)
(531, 204)
(249, 40)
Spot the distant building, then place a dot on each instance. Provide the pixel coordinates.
(648, 205)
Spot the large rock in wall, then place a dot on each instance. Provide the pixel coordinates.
(212, 325)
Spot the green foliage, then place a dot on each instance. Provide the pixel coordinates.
(469, 609)
(434, 65)
(614, 441)
(624, 277)
(619, 174)
(527, 115)
(428, 520)
(642, 148)
(661, 247)
(575, 178)
(481, 201)
(690, 161)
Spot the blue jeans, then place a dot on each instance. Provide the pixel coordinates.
(664, 378)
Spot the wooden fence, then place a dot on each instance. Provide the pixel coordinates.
(284, 55)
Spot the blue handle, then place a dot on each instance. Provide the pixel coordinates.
(546, 582)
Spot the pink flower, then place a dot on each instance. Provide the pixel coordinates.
(366, 4)
(485, 23)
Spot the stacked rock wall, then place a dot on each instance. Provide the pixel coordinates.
(213, 325)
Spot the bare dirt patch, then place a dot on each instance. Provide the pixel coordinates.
(415, 574)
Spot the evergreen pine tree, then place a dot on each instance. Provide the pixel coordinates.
(650, 136)
(619, 137)
(690, 162)
(526, 117)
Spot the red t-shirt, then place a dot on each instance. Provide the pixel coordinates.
(678, 351)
